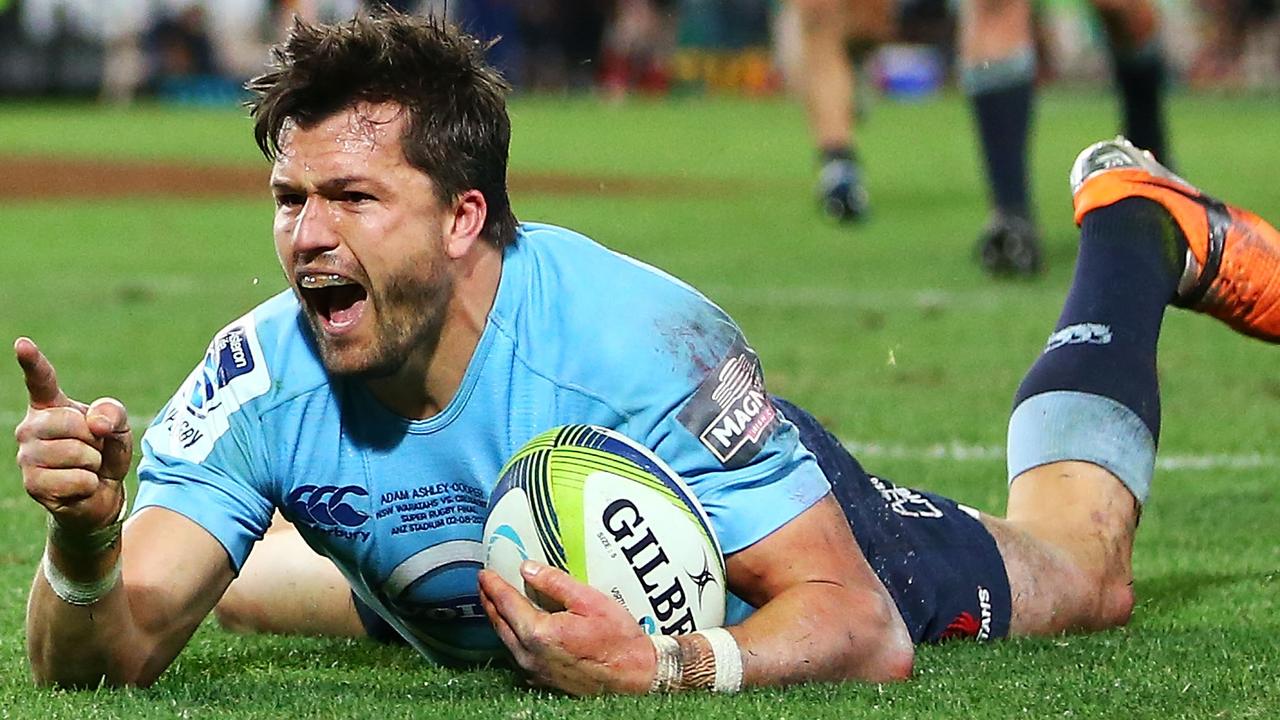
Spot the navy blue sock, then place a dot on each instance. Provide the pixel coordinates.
(837, 152)
(1105, 339)
(1140, 78)
(1004, 121)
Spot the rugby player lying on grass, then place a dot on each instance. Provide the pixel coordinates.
(427, 336)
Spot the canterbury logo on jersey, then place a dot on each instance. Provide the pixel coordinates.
(327, 506)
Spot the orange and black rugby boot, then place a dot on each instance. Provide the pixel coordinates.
(1231, 263)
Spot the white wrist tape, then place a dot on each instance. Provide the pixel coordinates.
(74, 592)
(670, 660)
(728, 659)
(82, 545)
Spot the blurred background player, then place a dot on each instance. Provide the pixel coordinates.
(834, 34)
(998, 73)
(637, 46)
(1241, 46)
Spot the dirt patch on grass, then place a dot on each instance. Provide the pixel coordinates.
(42, 178)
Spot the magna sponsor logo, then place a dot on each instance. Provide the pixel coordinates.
(731, 413)
(744, 420)
(657, 575)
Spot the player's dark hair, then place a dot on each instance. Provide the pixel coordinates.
(458, 132)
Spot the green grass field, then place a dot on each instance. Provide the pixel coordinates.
(889, 332)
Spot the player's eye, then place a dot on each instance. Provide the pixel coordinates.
(357, 197)
(289, 199)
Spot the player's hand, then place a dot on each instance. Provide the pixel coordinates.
(73, 456)
(593, 646)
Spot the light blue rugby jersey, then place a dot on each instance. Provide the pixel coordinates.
(577, 334)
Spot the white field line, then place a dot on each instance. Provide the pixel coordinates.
(844, 298)
(953, 451)
(963, 452)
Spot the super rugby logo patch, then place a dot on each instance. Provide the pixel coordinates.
(231, 374)
(228, 358)
(731, 413)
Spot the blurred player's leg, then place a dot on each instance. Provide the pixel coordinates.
(1086, 419)
(286, 588)
(828, 79)
(831, 32)
(1138, 64)
(998, 66)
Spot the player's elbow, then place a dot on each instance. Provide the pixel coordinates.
(877, 647)
(898, 662)
(894, 654)
(76, 661)
(87, 671)
(93, 682)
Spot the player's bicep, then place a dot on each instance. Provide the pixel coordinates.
(174, 571)
(815, 547)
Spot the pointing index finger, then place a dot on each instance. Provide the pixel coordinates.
(42, 382)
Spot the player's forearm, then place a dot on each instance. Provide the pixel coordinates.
(74, 645)
(69, 644)
(824, 632)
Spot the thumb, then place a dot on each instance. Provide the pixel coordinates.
(42, 382)
(108, 419)
(562, 589)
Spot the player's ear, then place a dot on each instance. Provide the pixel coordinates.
(466, 224)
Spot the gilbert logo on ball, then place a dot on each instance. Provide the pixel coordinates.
(605, 509)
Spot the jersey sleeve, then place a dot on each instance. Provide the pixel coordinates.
(204, 456)
(722, 433)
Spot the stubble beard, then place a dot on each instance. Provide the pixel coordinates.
(410, 318)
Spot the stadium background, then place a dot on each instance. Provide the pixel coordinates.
(130, 232)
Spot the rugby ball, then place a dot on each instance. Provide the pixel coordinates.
(605, 509)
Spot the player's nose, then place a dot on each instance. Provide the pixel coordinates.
(315, 230)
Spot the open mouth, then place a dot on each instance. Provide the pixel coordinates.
(338, 301)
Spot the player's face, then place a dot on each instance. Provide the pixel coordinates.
(359, 233)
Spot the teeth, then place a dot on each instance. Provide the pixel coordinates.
(314, 282)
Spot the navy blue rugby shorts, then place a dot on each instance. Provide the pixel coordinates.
(938, 562)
